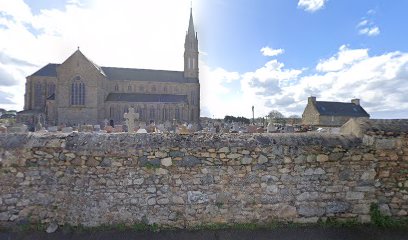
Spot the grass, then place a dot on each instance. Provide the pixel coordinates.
(377, 220)
(380, 220)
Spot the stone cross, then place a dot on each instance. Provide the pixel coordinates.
(130, 117)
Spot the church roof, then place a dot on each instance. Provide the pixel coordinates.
(49, 70)
(340, 109)
(132, 74)
(143, 97)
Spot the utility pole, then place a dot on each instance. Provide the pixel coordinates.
(253, 116)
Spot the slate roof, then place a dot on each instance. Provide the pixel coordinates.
(132, 74)
(143, 97)
(340, 109)
(49, 70)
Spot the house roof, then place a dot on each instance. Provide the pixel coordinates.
(340, 109)
(143, 97)
(132, 74)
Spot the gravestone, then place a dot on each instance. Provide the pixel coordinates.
(109, 129)
(289, 129)
(141, 130)
(53, 129)
(38, 126)
(118, 128)
(161, 128)
(130, 118)
(252, 129)
(105, 123)
(235, 127)
(182, 130)
(67, 129)
(86, 128)
(97, 128)
(271, 128)
(142, 125)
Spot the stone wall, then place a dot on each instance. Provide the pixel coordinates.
(181, 181)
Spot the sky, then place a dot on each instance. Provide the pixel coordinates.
(270, 54)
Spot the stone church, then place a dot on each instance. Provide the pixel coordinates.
(78, 91)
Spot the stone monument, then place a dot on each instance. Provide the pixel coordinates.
(130, 118)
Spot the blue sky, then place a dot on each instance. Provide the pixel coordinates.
(272, 54)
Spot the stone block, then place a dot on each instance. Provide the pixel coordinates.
(262, 159)
(337, 207)
(188, 161)
(246, 160)
(354, 195)
(197, 197)
(322, 158)
(311, 210)
(385, 143)
(167, 162)
(177, 200)
(368, 175)
(224, 150)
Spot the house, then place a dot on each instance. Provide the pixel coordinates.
(332, 114)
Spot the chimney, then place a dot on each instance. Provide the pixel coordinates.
(311, 100)
(356, 101)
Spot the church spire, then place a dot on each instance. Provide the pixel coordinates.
(191, 50)
(191, 31)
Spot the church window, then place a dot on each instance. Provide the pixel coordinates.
(152, 115)
(129, 88)
(177, 114)
(116, 87)
(50, 89)
(38, 95)
(78, 93)
(193, 63)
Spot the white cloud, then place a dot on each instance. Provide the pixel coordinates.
(367, 26)
(379, 81)
(270, 52)
(370, 31)
(344, 58)
(311, 5)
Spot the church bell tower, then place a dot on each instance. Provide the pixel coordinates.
(191, 51)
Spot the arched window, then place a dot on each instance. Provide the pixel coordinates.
(77, 92)
(129, 88)
(177, 113)
(50, 89)
(116, 87)
(38, 95)
(152, 113)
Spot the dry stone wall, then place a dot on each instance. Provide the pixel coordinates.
(185, 180)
